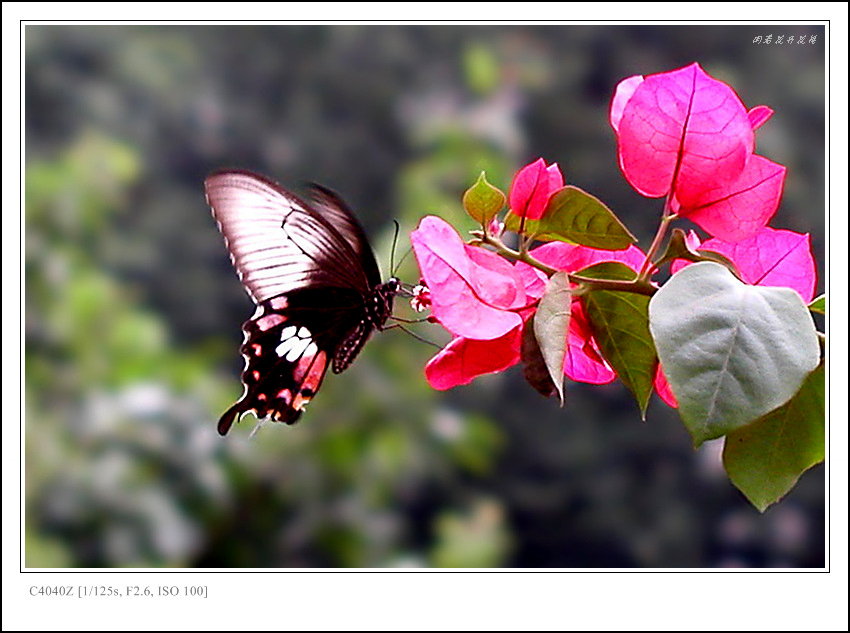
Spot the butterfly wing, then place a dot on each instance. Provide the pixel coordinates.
(334, 209)
(289, 344)
(277, 242)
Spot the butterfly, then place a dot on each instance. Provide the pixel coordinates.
(309, 268)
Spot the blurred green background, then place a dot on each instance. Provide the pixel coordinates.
(133, 310)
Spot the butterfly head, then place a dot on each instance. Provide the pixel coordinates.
(382, 301)
(392, 286)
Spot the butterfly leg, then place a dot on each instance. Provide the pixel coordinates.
(413, 334)
(403, 320)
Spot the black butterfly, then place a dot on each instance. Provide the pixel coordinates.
(312, 274)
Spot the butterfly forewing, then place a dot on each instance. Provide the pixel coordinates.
(276, 242)
(333, 208)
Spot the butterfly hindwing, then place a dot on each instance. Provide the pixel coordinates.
(289, 344)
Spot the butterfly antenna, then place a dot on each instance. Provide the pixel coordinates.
(395, 241)
(403, 257)
(394, 267)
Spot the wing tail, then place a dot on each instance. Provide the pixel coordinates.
(230, 416)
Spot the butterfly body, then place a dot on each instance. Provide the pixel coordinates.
(317, 287)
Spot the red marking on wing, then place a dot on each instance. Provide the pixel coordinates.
(303, 366)
(268, 321)
(313, 371)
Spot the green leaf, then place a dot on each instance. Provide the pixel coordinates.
(766, 458)
(818, 305)
(483, 201)
(551, 323)
(620, 324)
(575, 216)
(730, 351)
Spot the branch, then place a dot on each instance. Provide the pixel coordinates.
(637, 286)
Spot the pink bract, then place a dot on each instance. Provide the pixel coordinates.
(772, 257)
(662, 388)
(583, 362)
(759, 115)
(532, 187)
(473, 291)
(463, 359)
(573, 258)
(682, 130)
(736, 211)
(686, 134)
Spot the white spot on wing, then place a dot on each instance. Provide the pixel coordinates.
(284, 348)
(297, 349)
(288, 332)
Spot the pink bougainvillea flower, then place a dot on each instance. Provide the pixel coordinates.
(687, 135)
(469, 356)
(772, 257)
(474, 293)
(458, 278)
(463, 359)
(681, 130)
(532, 187)
(583, 361)
(466, 358)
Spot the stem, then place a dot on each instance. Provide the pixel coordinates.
(638, 286)
(666, 218)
